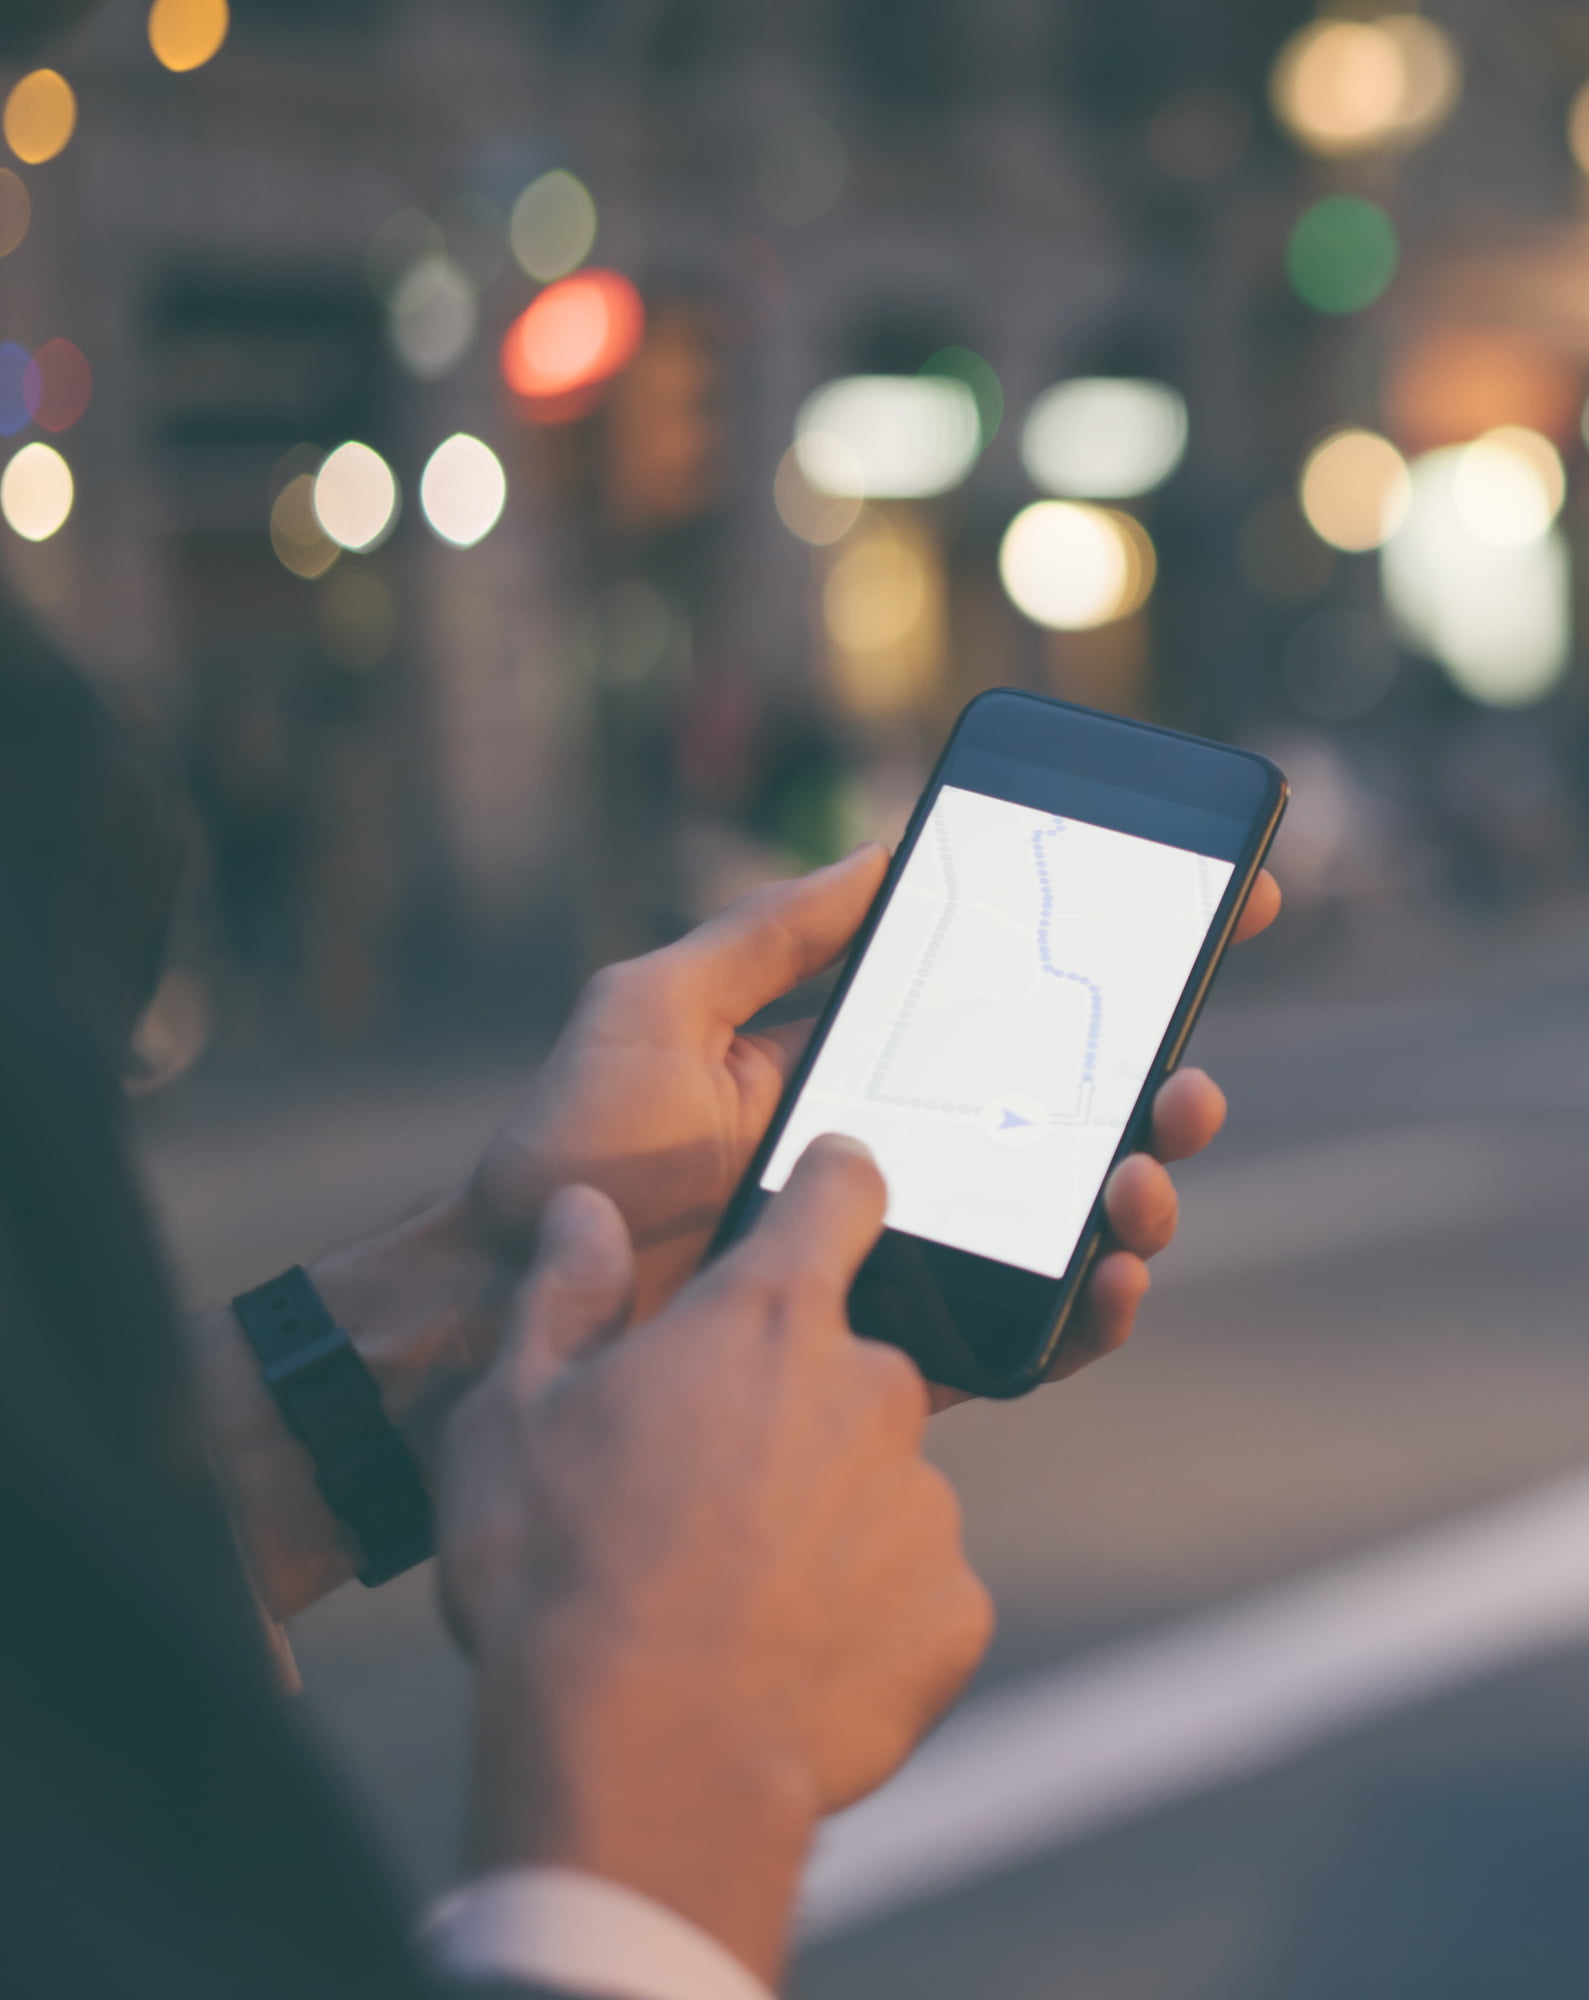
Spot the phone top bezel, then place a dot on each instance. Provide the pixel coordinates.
(1270, 802)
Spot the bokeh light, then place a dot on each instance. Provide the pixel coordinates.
(801, 167)
(36, 492)
(576, 336)
(1073, 567)
(888, 437)
(552, 229)
(1449, 384)
(1342, 87)
(301, 544)
(1497, 616)
(58, 385)
(463, 490)
(1343, 254)
(1103, 439)
(432, 317)
(1510, 487)
(16, 210)
(185, 34)
(817, 518)
(15, 362)
(1578, 128)
(1355, 490)
(964, 364)
(40, 116)
(355, 497)
(883, 611)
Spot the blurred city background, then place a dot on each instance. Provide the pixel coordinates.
(537, 468)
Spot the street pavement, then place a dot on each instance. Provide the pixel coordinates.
(1372, 1333)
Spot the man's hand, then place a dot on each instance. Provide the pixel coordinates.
(655, 1095)
(712, 1588)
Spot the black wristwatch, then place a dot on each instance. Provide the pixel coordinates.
(332, 1404)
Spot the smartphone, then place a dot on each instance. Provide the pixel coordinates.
(1030, 972)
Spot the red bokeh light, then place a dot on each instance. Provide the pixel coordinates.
(57, 386)
(576, 336)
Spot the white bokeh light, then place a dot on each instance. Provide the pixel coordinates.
(1073, 567)
(36, 492)
(433, 317)
(552, 229)
(462, 490)
(1497, 615)
(1510, 487)
(888, 437)
(355, 497)
(1102, 438)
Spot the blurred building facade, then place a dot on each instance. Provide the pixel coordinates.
(641, 688)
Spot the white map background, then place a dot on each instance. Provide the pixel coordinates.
(997, 1035)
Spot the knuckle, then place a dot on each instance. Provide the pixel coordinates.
(939, 1509)
(628, 984)
(973, 1621)
(893, 1383)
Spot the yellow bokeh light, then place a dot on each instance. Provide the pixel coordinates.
(883, 612)
(817, 518)
(1578, 128)
(1431, 75)
(36, 492)
(16, 211)
(1342, 87)
(300, 542)
(185, 34)
(875, 594)
(40, 116)
(1074, 567)
(1355, 490)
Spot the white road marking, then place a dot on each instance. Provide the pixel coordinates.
(1054, 1760)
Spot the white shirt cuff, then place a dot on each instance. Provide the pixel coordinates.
(560, 1927)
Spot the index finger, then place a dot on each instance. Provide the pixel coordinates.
(824, 1222)
(1263, 906)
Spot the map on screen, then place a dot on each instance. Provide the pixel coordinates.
(997, 1035)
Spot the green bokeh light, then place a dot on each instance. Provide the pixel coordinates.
(964, 365)
(1343, 254)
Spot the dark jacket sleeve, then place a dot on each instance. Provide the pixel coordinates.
(164, 1829)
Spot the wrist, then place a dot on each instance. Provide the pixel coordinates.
(718, 1834)
(424, 1306)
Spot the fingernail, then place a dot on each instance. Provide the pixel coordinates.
(841, 1142)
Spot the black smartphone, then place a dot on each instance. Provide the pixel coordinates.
(1030, 972)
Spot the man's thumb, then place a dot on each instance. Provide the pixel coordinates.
(579, 1288)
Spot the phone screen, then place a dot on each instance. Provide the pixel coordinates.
(1035, 963)
(997, 1035)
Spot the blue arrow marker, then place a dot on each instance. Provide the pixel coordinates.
(1011, 1118)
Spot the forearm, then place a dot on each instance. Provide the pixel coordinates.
(423, 1304)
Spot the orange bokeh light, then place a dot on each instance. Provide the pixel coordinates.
(1454, 383)
(576, 336)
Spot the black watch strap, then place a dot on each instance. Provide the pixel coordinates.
(332, 1405)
